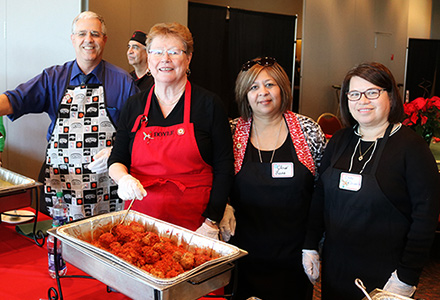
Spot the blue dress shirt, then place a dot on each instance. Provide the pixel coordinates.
(44, 92)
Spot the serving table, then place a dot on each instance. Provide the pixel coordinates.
(18, 191)
(24, 271)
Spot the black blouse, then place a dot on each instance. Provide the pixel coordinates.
(407, 174)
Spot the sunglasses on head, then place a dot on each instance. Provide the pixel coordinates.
(265, 61)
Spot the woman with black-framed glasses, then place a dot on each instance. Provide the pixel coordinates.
(377, 198)
(276, 155)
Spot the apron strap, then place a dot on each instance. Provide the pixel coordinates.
(187, 109)
(144, 116)
(346, 138)
(380, 149)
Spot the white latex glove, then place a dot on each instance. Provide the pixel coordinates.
(394, 285)
(311, 263)
(130, 188)
(228, 223)
(208, 231)
(99, 164)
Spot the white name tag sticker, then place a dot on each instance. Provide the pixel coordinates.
(350, 182)
(282, 170)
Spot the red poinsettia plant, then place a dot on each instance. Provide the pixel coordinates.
(423, 116)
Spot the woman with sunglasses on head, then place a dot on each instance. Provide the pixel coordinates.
(173, 148)
(377, 198)
(276, 156)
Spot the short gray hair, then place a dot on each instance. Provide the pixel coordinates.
(90, 15)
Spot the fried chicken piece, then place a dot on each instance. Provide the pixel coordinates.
(123, 233)
(150, 255)
(177, 255)
(137, 237)
(160, 248)
(106, 239)
(187, 261)
(136, 227)
(150, 239)
(201, 259)
(115, 247)
(158, 273)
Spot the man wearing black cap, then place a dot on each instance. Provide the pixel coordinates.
(137, 57)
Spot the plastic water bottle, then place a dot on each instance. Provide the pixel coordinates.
(59, 214)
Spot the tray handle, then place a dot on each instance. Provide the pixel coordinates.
(203, 277)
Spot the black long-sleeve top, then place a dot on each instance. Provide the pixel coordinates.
(408, 176)
(212, 132)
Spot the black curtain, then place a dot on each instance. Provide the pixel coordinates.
(225, 38)
(423, 68)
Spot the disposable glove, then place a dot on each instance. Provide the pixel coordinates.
(228, 223)
(130, 188)
(311, 263)
(208, 231)
(394, 285)
(99, 164)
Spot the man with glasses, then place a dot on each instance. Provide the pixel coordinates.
(83, 99)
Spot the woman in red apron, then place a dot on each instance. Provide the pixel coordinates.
(173, 148)
(378, 195)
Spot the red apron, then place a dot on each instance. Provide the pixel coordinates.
(167, 161)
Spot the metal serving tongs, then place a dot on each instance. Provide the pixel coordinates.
(362, 287)
(125, 215)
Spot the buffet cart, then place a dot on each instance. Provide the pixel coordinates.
(133, 281)
(18, 191)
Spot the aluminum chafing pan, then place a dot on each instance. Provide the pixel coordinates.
(379, 294)
(135, 282)
(15, 190)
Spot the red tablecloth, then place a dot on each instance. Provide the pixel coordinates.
(23, 272)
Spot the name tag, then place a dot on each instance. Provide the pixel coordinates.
(282, 170)
(350, 182)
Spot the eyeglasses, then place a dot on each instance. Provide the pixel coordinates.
(370, 94)
(173, 53)
(93, 33)
(265, 62)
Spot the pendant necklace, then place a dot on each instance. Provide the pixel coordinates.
(274, 148)
(361, 155)
(354, 153)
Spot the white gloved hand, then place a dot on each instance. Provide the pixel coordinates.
(208, 231)
(394, 285)
(130, 188)
(99, 164)
(228, 223)
(311, 263)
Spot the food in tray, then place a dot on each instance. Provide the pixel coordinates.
(5, 184)
(159, 256)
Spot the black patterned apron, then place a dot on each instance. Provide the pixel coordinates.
(82, 129)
